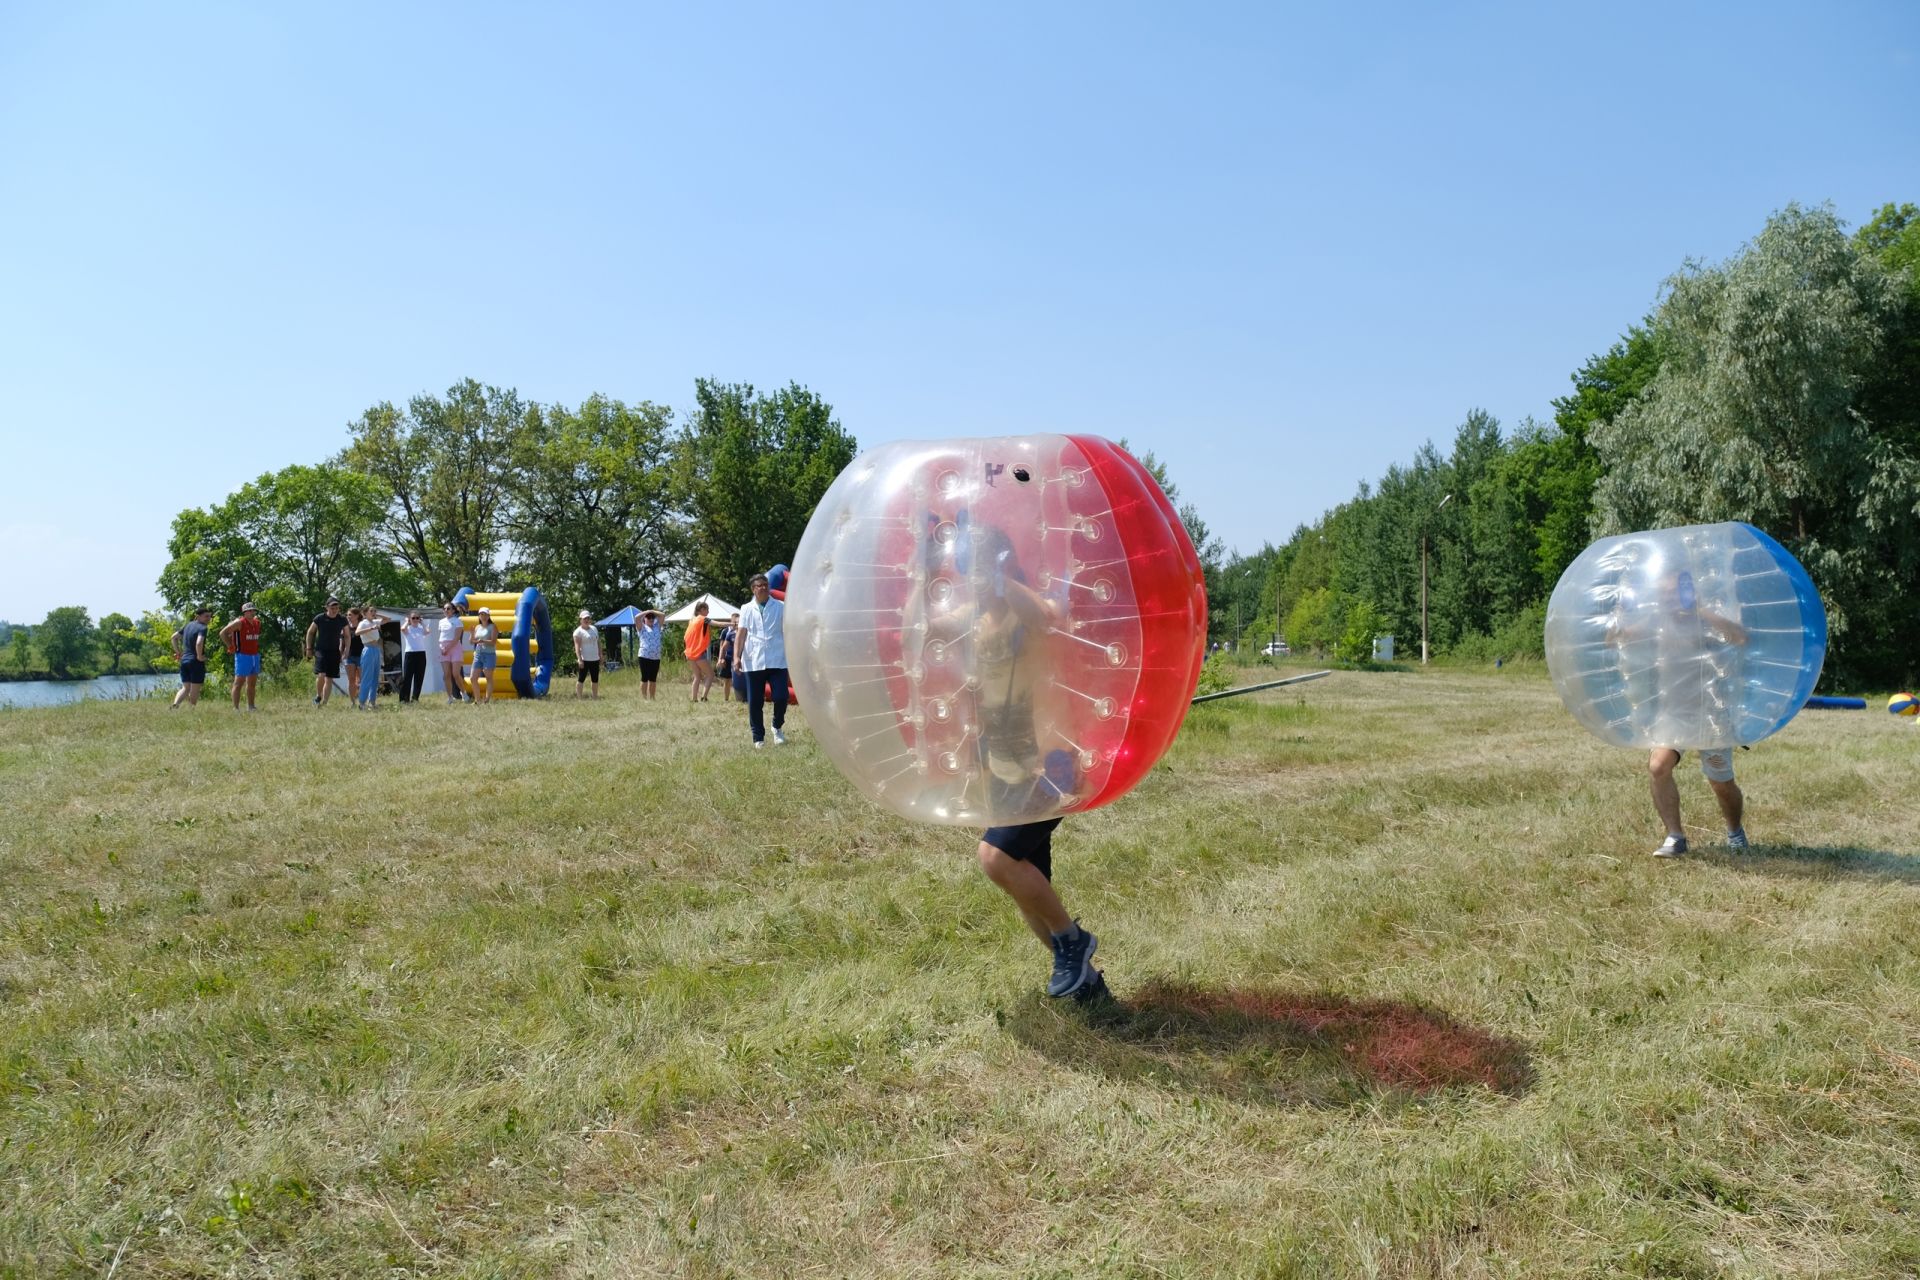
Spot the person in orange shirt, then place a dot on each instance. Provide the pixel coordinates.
(699, 636)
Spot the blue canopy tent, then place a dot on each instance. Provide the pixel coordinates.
(628, 617)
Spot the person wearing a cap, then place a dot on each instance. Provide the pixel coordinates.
(485, 658)
(242, 638)
(413, 657)
(191, 652)
(586, 655)
(327, 647)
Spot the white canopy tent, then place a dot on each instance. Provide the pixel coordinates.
(718, 610)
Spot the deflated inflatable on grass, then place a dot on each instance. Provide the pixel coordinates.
(1710, 635)
(995, 631)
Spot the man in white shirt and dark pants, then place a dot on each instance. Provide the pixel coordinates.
(763, 656)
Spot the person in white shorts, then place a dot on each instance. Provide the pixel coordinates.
(1717, 764)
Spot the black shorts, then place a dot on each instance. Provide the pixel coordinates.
(1030, 842)
(326, 662)
(650, 669)
(589, 667)
(193, 671)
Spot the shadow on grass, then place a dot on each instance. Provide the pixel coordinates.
(1820, 861)
(1276, 1048)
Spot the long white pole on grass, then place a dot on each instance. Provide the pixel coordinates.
(1255, 688)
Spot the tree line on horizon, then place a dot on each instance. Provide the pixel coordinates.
(1780, 388)
(600, 505)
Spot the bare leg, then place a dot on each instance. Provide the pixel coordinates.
(1733, 805)
(1666, 794)
(1032, 892)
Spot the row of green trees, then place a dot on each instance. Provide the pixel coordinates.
(600, 505)
(69, 644)
(1781, 387)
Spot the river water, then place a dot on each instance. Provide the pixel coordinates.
(54, 693)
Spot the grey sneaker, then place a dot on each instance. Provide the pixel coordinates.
(1671, 847)
(1072, 962)
(1737, 840)
(779, 738)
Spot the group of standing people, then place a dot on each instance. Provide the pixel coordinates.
(748, 657)
(241, 638)
(355, 641)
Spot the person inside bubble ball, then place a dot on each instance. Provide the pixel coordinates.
(1675, 619)
(1010, 622)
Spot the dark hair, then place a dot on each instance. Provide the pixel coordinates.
(757, 579)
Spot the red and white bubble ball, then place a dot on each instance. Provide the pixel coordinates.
(995, 631)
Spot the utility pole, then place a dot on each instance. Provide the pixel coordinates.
(1423, 579)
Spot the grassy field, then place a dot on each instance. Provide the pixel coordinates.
(594, 990)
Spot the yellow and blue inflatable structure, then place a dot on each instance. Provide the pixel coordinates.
(526, 654)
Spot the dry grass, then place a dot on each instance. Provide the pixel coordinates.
(592, 990)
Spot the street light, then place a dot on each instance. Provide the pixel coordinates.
(1423, 578)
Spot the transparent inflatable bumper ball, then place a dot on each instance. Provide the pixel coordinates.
(1705, 636)
(995, 631)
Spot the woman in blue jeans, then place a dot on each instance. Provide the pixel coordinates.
(369, 633)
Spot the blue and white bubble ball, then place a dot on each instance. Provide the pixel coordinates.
(1711, 635)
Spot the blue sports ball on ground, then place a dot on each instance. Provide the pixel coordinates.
(1904, 704)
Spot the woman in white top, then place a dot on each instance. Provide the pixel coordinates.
(586, 655)
(368, 629)
(452, 631)
(413, 657)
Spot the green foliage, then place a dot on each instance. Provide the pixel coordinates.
(1310, 625)
(153, 637)
(1356, 637)
(1216, 675)
(749, 470)
(444, 466)
(20, 650)
(66, 640)
(592, 512)
(1521, 638)
(285, 541)
(1781, 388)
(118, 637)
(1758, 414)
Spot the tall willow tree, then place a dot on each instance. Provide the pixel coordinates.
(1759, 412)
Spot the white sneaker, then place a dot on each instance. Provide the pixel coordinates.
(779, 738)
(1672, 847)
(758, 745)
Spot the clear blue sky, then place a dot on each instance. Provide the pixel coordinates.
(1279, 246)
